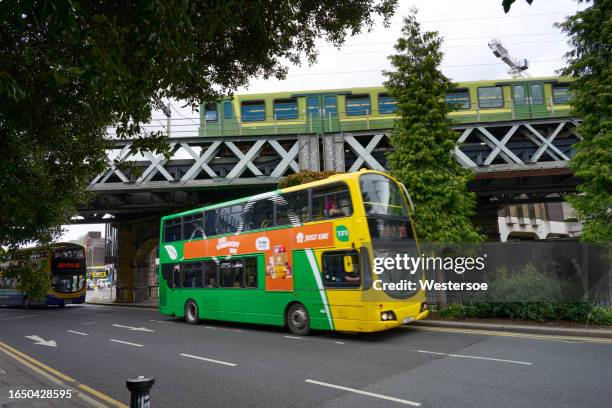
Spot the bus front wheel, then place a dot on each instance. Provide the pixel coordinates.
(191, 313)
(297, 319)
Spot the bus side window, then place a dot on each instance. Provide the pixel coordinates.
(169, 274)
(172, 230)
(341, 269)
(250, 272)
(192, 275)
(211, 279)
(193, 227)
(258, 214)
(331, 201)
(292, 208)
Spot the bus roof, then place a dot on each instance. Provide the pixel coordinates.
(332, 178)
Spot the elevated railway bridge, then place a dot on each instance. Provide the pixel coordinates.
(518, 156)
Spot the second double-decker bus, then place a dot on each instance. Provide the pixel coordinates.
(65, 264)
(300, 256)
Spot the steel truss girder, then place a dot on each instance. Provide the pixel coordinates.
(272, 157)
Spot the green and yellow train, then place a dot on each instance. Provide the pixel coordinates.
(356, 109)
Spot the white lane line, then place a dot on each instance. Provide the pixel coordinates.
(76, 332)
(223, 328)
(294, 337)
(210, 360)
(369, 394)
(127, 342)
(161, 321)
(475, 357)
(491, 359)
(210, 327)
(338, 342)
(89, 323)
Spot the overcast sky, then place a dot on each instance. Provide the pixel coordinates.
(466, 26)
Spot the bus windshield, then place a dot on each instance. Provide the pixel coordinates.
(381, 196)
(68, 283)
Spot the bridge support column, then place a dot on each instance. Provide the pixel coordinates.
(333, 152)
(309, 152)
(125, 253)
(486, 220)
(136, 253)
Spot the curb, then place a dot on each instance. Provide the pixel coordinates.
(561, 331)
(122, 305)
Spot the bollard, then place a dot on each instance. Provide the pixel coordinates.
(140, 388)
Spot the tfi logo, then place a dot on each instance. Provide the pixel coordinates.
(342, 233)
(262, 244)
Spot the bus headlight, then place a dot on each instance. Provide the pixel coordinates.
(387, 316)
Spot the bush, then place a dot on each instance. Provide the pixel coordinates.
(304, 177)
(528, 295)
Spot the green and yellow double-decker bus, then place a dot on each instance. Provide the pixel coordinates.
(300, 256)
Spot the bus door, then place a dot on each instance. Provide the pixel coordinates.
(322, 113)
(528, 100)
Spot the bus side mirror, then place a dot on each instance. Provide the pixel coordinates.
(348, 264)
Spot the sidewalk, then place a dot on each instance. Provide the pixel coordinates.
(148, 304)
(518, 328)
(16, 376)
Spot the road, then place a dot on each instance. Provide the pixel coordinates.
(229, 365)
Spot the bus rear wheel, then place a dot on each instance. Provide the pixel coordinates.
(191, 313)
(297, 319)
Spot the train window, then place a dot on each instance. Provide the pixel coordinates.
(253, 111)
(560, 94)
(331, 201)
(519, 98)
(313, 106)
(537, 94)
(458, 99)
(331, 106)
(228, 110)
(210, 112)
(172, 230)
(386, 104)
(292, 208)
(357, 105)
(490, 97)
(285, 109)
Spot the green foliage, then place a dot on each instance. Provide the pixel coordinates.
(590, 33)
(423, 140)
(304, 177)
(528, 294)
(508, 3)
(71, 69)
(33, 278)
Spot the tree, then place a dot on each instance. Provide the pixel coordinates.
(304, 177)
(69, 69)
(590, 33)
(32, 276)
(508, 3)
(423, 140)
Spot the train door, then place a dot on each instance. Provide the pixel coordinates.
(322, 113)
(528, 100)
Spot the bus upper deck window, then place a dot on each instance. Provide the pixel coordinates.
(331, 201)
(381, 195)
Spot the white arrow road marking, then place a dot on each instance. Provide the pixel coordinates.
(144, 329)
(39, 340)
(127, 342)
(76, 332)
(369, 394)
